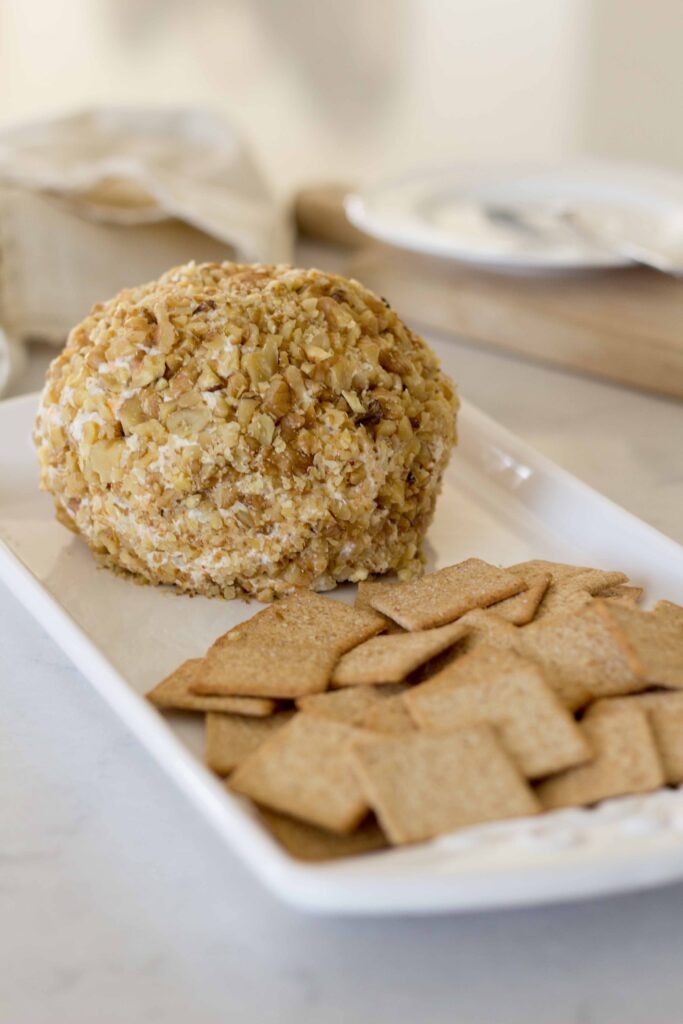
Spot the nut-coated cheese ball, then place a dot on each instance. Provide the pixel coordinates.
(234, 430)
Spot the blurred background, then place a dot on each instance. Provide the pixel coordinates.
(349, 91)
(297, 94)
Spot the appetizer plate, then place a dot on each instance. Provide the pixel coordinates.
(501, 501)
(505, 216)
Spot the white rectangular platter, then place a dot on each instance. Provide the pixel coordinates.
(501, 501)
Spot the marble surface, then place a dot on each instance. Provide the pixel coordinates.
(118, 904)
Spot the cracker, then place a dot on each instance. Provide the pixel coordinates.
(595, 580)
(303, 770)
(582, 656)
(625, 759)
(558, 571)
(389, 716)
(389, 659)
(287, 650)
(174, 693)
(506, 691)
(444, 596)
(656, 641)
(569, 594)
(562, 599)
(306, 842)
(621, 593)
(231, 738)
(421, 785)
(487, 627)
(350, 705)
(483, 627)
(665, 712)
(669, 611)
(367, 589)
(522, 608)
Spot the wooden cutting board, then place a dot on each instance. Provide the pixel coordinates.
(623, 325)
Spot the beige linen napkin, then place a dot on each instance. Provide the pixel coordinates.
(93, 202)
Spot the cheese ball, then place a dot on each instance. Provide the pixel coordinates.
(237, 430)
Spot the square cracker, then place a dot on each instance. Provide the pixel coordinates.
(483, 627)
(389, 716)
(389, 659)
(522, 608)
(570, 594)
(287, 650)
(506, 691)
(304, 771)
(670, 611)
(367, 589)
(582, 656)
(486, 627)
(231, 738)
(306, 842)
(622, 594)
(558, 571)
(656, 641)
(444, 596)
(174, 693)
(625, 761)
(421, 785)
(665, 712)
(350, 705)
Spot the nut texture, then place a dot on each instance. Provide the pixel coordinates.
(233, 429)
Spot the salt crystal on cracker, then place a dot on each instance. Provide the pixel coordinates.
(304, 771)
(231, 738)
(389, 659)
(174, 693)
(444, 596)
(582, 656)
(421, 785)
(506, 691)
(287, 650)
(306, 842)
(625, 760)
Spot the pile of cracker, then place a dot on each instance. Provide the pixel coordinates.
(473, 694)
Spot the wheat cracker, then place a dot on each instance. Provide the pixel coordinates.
(174, 693)
(231, 738)
(625, 759)
(421, 785)
(287, 650)
(443, 596)
(506, 691)
(304, 771)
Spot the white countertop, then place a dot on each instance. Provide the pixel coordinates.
(118, 904)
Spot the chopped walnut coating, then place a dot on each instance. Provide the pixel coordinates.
(247, 429)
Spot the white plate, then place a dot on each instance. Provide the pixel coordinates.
(501, 501)
(439, 211)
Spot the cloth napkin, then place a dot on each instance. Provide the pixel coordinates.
(96, 201)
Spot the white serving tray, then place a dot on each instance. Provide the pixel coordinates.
(502, 501)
